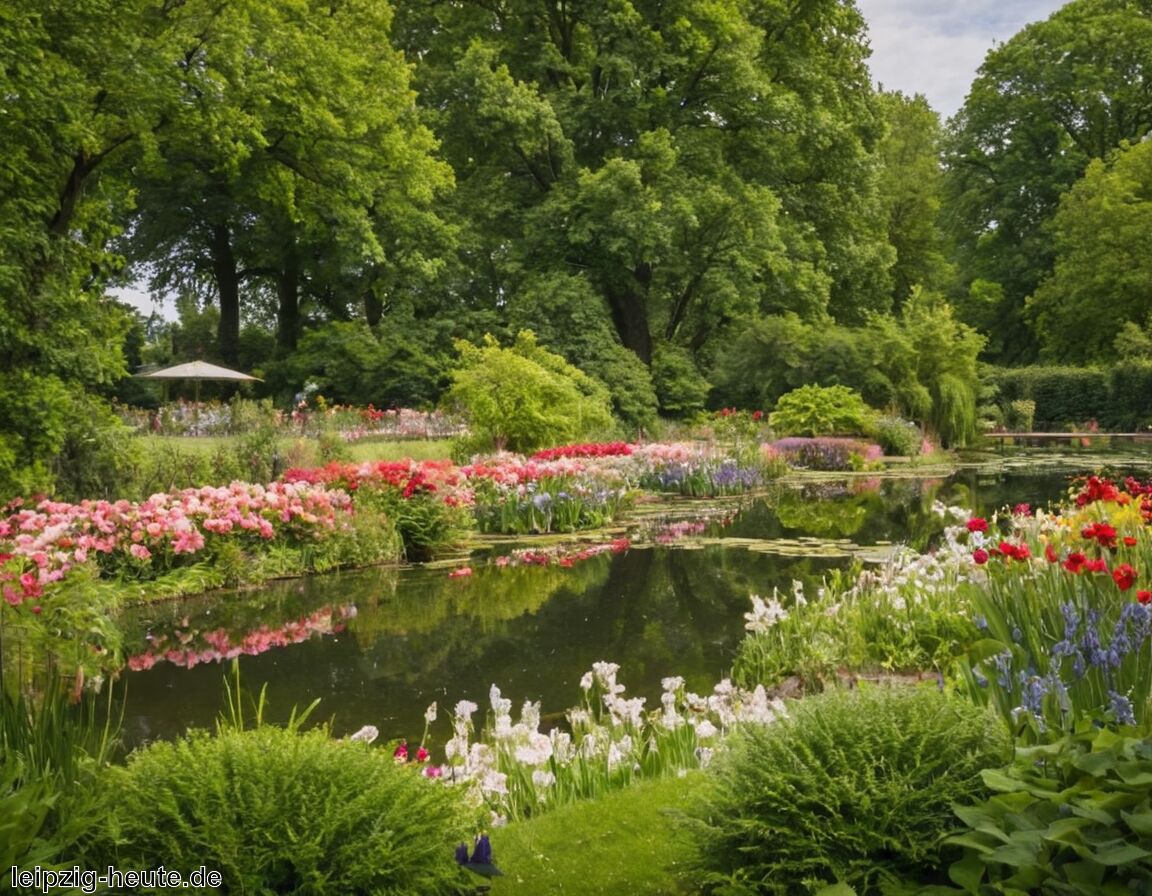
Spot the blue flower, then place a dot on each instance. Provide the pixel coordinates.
(1121, 708)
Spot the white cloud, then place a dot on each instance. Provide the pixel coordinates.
(934, 47)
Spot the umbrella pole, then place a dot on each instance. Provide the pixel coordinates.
(196, 409)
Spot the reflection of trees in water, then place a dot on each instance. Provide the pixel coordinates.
(420, 636)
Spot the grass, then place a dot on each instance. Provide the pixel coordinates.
(631, 841)
(366, 449)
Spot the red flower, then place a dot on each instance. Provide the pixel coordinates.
(1015, 551)
(757, 415)
(1096, 566)
(1022, 510)
(980, 556)
(1050, 554)
(1075, 562)
(977, 524)
(1129, 541)
(422, 754)
(1124, 576)
(1102, 533)
(1145, 597)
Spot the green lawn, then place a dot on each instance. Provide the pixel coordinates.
(367, 449)
(630, 842)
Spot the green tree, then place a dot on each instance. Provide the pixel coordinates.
(911, 183)
(83, 88)
(1102, 280)
(1057, 95)
(687, 161)
(523, 398)
(298, 177)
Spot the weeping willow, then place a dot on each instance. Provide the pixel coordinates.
(954, 411)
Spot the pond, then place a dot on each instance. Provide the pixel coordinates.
(378, 646)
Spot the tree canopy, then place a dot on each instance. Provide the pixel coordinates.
(1102, 280)
(1057, 95)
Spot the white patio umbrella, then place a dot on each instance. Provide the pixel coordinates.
(198, 371)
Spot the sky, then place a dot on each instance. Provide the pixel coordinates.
(934, 47)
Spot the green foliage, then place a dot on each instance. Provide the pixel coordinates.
(523, 398)
(1044, 104)
(626, 841)
(1099, 281)
(1021, 415)
(911, 190)
(568, 318)
(852, 788)
(897, 437)
(680, 387)
(1064, 396)
(279, 810)
(821, 411)
(909, 618)
(351, 364)
(1072, 817)
(676, 208)
(51, 752)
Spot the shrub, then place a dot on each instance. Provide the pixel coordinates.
(826, 453)
(524, 398)
(278, 811)
(853, 788)
(820, 411)
(1063, 395)
(680, 387)
(1072, 817)
(898, 437)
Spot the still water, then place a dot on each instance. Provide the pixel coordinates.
(378, 646)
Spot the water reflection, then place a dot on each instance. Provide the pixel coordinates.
(378, 646)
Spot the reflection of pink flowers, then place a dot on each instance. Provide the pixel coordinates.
(563, 556)
(188, 649)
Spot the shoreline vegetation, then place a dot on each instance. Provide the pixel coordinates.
(1038, 618)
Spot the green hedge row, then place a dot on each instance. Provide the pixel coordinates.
(1118, 398)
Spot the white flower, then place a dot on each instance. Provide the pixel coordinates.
(430, 714)
(704, 728)
(765, 614)
(367, 734)
(543, 779)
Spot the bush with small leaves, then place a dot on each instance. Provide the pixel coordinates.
(855, 788)
(279, 811)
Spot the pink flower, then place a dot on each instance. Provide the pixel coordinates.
(460, 573)
(140, 552)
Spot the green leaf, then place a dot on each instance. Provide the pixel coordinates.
(1139, 822)
(837, 889)
(967, 872)
(1121, 853)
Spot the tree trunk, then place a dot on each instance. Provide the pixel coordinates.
(228, 285)
(288, 293)
(629, 305)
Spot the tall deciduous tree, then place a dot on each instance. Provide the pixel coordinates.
(1057, 95)
(83, 87)
(688, 161)
(299, 171)
(1103, 273)
(911, 181)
